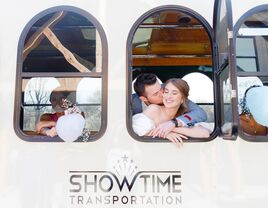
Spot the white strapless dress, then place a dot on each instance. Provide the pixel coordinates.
(142, 124)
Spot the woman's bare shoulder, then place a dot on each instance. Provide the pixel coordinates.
(152, 110)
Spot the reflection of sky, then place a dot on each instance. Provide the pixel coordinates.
(43, 85)
(245, 47)
(201, 87)
(253, 32)
(88, 90)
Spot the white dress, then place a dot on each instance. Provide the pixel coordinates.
(142, 124)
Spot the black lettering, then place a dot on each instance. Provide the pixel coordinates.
(89, 201)
(98, 199)
(72, 181)
(94, 183)
(110, 185)
(155, 199)
(142, 197)
(176, 184)
(149, 201)
(133, 199)
(107, 200)
(163, 183)
(153, 183)
(124, 201)
(145, 177)
(72, 199)
(115, 199)
(178, 200)
(125, 181)
(169, 200)
(80, 199)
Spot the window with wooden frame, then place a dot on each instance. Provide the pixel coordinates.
(62, 58)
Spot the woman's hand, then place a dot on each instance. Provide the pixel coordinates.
(162, 130)
(176, 138)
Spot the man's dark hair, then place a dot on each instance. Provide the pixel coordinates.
(142, 80)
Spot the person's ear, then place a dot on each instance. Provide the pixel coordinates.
(144, 99)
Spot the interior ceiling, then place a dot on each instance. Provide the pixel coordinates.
(257, 20)
(175, 39)
(73, 31)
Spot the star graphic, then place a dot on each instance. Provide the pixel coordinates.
(125, 158)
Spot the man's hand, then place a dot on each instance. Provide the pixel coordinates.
(52, 132)
(44, 124)
(163, 129)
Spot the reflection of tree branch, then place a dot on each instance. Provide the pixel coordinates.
(85, 62)
(38, 36)
(38, 95)
(30, 94)
(45, 30)
(66, 53)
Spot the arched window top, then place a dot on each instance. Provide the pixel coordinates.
(71, 41)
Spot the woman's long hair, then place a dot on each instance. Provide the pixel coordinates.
(184, 88)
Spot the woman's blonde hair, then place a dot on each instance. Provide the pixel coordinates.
(184, 88)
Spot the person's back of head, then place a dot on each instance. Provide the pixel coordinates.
(57, 97)
(143, 80)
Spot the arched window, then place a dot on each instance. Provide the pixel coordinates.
(169, 42)
(252, 73)
(62, 55)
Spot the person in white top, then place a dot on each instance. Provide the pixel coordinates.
(175, 99)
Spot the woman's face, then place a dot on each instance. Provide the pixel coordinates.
(172, 96)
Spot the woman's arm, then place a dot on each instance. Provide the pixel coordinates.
(44, 124)
(195, 131)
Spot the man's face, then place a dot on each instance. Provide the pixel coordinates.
(154, 93)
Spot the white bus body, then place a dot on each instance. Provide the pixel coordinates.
(216, 173)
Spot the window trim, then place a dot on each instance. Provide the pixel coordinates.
(131, 33)
(20, 75)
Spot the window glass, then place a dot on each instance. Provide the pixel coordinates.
(170, 44)
(201, 93)
(61, 78)
(251, 43)
(252, 62)
(226, 110)
(246, 55)
(69, 44)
